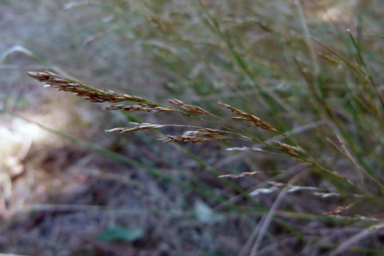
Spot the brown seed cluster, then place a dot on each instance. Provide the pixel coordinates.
(208, 132)
(190, 108)
(290, 150)
(201, 135)
(253, 120)
(140, 107)
(162, 25)
(287, 148)
(329, 58)
(184, 138)
(340, 209)
(138, 127)
(86, 92)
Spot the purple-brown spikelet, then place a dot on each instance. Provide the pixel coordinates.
(287, 148)
(253, 120)
(190, 108)
(138, 127)
(86, 92)
(201, 135)
(140, 107)
(340, 209)
(290, 150)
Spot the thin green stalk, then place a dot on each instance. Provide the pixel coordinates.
(372, 82)
(355, 148)
(243, 65)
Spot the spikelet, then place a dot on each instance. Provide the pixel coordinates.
(140, 107)
(328, 58)
(287, 148)
(253, 120)
(86, 92)
(203, 132)
(190, 108)
(290, 150)
(340, 209)
(241, 175)
(201, 135)
(138, 127)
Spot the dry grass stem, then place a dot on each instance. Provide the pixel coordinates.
(86, 92)
(138, 127)
(190, 108)
(253, 120)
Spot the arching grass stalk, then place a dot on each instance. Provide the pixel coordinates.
(200, 134)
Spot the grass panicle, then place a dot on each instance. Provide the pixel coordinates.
(295, 91)
(201, 134)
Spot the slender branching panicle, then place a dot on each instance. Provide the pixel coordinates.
(200, 134)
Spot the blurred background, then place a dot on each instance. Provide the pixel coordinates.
(68, 188)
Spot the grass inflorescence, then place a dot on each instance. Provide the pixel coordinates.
(300, 107)
(201, 134)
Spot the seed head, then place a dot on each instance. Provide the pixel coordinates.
(140, 107)
(138, 127)
(235, 176)
(200, 135)
(287, 148)
(86, 92)
(190, 108)
(253, 120)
